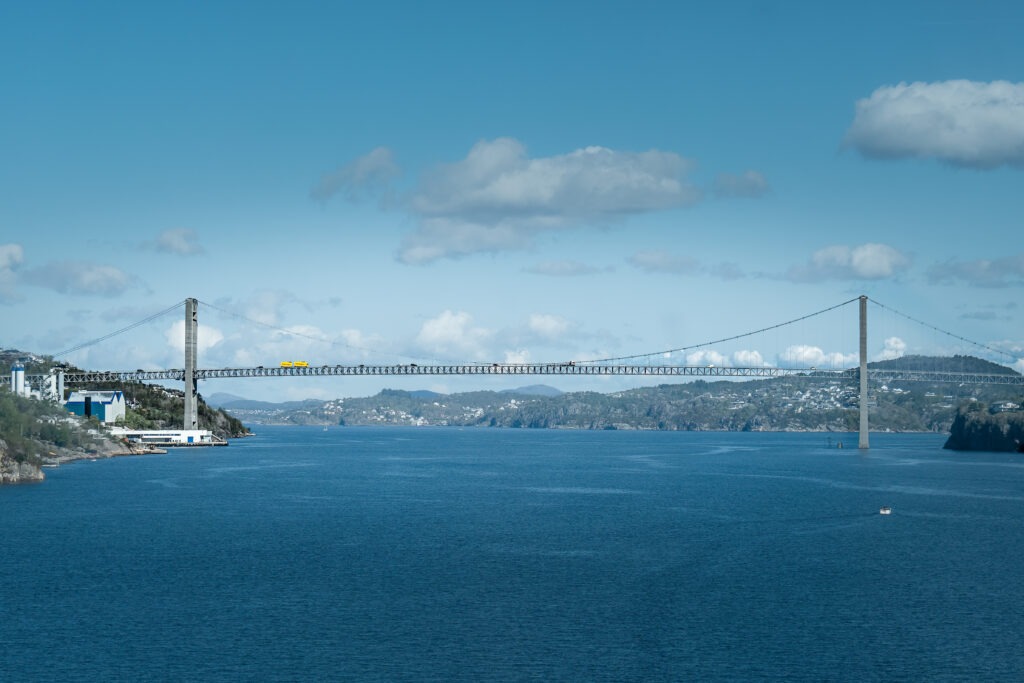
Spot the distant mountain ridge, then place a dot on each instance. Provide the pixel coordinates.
(247, 404)
(220, 399)
(231, 401)
(534, 390)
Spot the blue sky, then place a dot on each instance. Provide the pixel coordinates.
(507, 181)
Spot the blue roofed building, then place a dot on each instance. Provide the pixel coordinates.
(105, 406)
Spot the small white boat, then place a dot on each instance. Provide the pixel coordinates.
(885, 511)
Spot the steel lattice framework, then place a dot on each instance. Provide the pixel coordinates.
(851, 374)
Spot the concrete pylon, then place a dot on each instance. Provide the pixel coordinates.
(862, 441)
(191, 386)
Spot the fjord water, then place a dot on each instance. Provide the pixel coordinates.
(448, 554)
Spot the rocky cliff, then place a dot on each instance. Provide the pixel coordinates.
(976, 429)
(14, 472)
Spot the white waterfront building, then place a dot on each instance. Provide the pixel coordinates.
(169, 437)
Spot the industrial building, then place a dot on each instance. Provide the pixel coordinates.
(109, 408)
(18, 380)
(51, 390)
(105, 406)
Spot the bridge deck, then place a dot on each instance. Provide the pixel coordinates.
(537, 369)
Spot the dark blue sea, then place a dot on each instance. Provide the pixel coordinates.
(392, 554)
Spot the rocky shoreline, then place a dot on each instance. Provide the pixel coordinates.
(14, 472)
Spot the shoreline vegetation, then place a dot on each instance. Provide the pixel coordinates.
(14, 471)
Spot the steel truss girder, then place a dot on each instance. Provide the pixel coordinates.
(536, 369)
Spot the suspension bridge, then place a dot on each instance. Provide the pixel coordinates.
(860, 374)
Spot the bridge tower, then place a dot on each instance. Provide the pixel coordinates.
(862, 441)
(191, 386)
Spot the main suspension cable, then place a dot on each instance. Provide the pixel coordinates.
(120, 331)
(719, 341)
(942, 331)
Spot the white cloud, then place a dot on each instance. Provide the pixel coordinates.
(653, 261)
(364, 344)
(451, 336)
(805, 355)
(839, 262)
(965, 123)
(893, 348)
(268, 305)
(498, 198)
(707, 357)
(298, 342)
(11, 256)
(264, 306)
(1001, 272)
(727, 271)
(76, 277)
(206, 338)
(369, 173)
(550, 327)
(1008, 346)
(439, 238)
(183, 241)
(517, 357)
(749, 359)
(745, 358)
(748, 184)
(1012, 349)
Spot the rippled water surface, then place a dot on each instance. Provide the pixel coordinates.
(445, 554)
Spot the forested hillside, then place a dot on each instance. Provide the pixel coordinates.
(30, 428)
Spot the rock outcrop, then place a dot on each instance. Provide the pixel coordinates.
(976, 429)
(14, 472)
